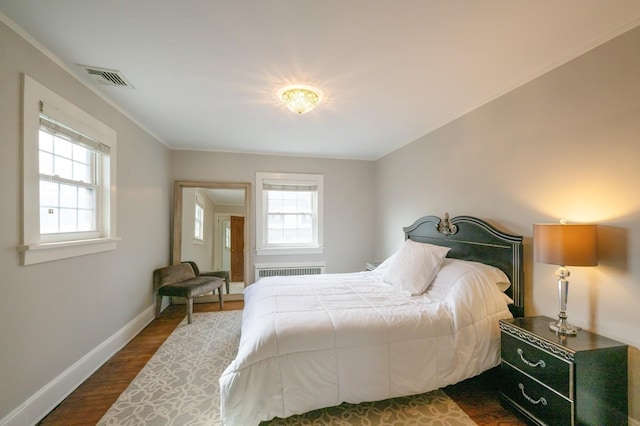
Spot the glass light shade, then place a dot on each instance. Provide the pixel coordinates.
(565, 244)
(300, 99)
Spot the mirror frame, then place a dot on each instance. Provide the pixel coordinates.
(176, 246)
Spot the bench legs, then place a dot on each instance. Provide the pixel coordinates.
(158, 305)
(189, 309)
(189, 304)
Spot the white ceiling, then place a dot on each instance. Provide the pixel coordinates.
(206, 72)
(227, 197)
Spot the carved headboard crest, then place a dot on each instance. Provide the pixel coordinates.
(445, 227)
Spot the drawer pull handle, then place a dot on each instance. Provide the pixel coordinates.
(540, 363)
(541, 400)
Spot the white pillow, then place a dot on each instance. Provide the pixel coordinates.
(415, 266)
(454, 270)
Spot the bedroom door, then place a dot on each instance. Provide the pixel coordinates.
(237, 248)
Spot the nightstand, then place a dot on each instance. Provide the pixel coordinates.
(562, 380)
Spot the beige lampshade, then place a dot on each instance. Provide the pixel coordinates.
(565, 245)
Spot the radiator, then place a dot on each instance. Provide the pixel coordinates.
(280, 270)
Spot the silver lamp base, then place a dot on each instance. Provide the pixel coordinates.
(562, 327)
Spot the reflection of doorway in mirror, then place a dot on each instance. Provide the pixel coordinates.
(229, 252)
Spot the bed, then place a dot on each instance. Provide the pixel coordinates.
(310, 342)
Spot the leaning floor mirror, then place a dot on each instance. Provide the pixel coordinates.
(210, 229)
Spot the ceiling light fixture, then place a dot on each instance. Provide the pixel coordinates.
(300, 98)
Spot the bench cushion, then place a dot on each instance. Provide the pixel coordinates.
(191, 287)
(172, 274)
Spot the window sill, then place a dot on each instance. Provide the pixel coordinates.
(274, 251)
(46, 252)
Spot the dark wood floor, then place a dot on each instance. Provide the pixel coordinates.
(478, 397)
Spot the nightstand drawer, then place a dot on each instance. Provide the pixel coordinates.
(532, 397)
(548, 369)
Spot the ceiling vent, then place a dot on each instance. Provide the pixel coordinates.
(107, 77)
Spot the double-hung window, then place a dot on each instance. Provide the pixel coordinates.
(70, 179)
(289, 213)
(68, 173)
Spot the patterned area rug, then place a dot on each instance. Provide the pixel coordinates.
(179, 384)
(428, 409)
(179, 387)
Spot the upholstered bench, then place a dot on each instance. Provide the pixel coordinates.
(181, 281)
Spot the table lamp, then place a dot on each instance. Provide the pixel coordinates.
(565, 245)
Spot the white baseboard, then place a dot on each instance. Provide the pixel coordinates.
(46, 399)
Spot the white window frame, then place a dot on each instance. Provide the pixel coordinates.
(37, 247)
(198, 225)
(227, 234)
(262, 248)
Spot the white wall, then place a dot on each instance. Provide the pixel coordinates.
(566, 145)
(348, 204)
(52, 315)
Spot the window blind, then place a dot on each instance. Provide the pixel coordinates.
(293, 186)
(54, 127)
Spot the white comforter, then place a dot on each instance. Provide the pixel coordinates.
(317, 341)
